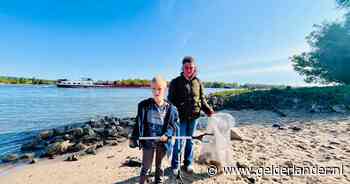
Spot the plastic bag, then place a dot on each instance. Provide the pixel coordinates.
(217, 149)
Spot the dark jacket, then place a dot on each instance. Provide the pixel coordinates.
(169, 128)
(188, 97)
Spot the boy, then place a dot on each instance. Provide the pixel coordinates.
(155, 118)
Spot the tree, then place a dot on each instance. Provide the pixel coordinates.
(329, 58)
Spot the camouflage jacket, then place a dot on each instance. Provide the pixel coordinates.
(188, 97)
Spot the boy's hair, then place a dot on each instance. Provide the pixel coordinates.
(159, 80)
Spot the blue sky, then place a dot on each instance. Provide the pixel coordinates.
(233, 41)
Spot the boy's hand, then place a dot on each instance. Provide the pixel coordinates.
(163, 138)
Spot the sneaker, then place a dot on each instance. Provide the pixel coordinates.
(189, 169)
(175, 172)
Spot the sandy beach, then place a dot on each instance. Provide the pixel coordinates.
(300, 140)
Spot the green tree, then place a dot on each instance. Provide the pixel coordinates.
(329, 58)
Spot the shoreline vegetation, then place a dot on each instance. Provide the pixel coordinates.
(133, 83)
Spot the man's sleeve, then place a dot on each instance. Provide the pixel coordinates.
(171, 92)
(205, 106)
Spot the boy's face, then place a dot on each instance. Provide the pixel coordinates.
(158, 90)
(189, 69)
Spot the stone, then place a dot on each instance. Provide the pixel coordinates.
(10, 158)
(234, 135)
(59, 131)
(295, 128)
(77, 132)
(91, 151)
(78, 147)
(58, 148)
(27, 156)
(73, 157)
(33, 161)
(46, 134)
(111, 142)
(89, 131)
(132, 162)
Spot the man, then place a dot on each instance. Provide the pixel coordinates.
(187, 94)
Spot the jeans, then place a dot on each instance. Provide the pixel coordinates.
(187, 128)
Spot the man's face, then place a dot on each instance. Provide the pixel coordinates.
(189, 69)
(158, 91)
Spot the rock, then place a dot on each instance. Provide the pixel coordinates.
(289, 164)
(73, 157)
(89, 131)
(99, 131)
(111, 132)
(234, 135)
(132, 162)
(34, 145)
(295, 128)
(339, 109)
(46, 134)
(122, 139)
(278, 126)
(99, 145)
(59, 131)
(77, 147)
(77, 132)
(33, 161)
(90, 139)
(91, 151)
(95, 124)
(27, 156)
(241, 165)
(10, 158)
(67, 137)
(111, 142)
(58, 148)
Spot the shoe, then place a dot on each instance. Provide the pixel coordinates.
(175, 172)
(189, 169)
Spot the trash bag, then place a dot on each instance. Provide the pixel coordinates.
(217, 149)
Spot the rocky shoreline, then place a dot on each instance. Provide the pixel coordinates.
(77, 140)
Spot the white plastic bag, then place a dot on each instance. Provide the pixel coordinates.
(217, 149)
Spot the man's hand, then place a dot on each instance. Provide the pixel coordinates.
(211, 113)
(163, 138)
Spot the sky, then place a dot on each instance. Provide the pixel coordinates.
(232, 41)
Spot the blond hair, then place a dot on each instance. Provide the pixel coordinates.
(159, 80)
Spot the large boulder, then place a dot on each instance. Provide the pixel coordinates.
(10, 158)
(58, 148)
(46, 134)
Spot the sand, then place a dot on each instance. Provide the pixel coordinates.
(304, 140)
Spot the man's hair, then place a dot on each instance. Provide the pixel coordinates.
(159, 80)
(188, 59)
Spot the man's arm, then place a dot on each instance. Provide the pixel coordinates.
(205, 106)
(171, 92)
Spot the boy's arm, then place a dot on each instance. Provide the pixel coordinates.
(173, 124)
(135, 132)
